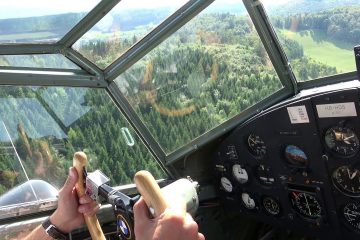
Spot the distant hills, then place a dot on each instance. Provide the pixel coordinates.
(307, 6)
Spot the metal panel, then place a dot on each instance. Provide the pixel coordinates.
(138, 125)
(88, 22)
(155, 37)
(271, 44)
(227, 126)
(328, 80)
(48, 77)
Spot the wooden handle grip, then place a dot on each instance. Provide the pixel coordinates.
(150, 191)
(80, 162)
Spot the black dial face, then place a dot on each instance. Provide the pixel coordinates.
(306, 204)
(347, 180)
(263, 174)
(256, 145)
(271, 206)
(352, 215)
(295, 156)
(342, 141)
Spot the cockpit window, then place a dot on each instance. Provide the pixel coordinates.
(122, 27)
(40, 21)
(42, 127)
(211, 69)
(317, 36)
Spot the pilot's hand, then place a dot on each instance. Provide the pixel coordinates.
(172, 224)
(69, 214)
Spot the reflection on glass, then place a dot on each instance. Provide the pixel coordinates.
(37, 61)
(123, 26)
(207, 72)
(39, 21)
(317, 36)
(42, 127)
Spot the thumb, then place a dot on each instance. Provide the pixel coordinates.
(70, 181)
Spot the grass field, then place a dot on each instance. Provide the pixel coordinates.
(324, 51)
(27, 36)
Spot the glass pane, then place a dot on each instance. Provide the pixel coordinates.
(123, 26)
(207, 72)
(37, 61)
(317, 36)
(40, 21)
(42, 127)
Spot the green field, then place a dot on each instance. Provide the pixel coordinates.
(27, 36)
(324, 51)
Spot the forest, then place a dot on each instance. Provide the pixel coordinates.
(207, 72)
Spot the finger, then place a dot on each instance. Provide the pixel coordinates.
(201, 236)
(70, 181)
(93, 211)
(190, 228)
(141, 211)
(87, 208)
(85, 199)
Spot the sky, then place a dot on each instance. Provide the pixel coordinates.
(31, 8)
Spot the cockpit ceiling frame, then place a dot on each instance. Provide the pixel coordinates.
(92, 76)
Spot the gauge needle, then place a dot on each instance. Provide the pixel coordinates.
(346, 140)
(307, 204)
(354, 174)
(348, 171)
(252, 140)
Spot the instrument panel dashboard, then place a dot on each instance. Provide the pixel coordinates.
(297, 164)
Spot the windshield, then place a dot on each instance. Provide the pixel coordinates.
(317, 36)
(207, 72)
(42, 127)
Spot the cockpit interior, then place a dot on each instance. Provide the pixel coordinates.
(258, 101)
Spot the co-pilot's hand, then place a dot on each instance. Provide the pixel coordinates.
(69, 214)
(171, 224)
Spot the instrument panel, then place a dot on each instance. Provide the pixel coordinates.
(297, 165)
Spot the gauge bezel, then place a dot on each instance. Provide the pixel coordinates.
(335, 153)
(302, 215)
(266, 210)
(344, 220)
(256, 174)
(223, 188)
(288, 161)
(253, 196)
(243, 166)
(251, 150)
(339, 188)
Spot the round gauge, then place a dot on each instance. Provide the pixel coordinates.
(264, 175)
(306, 204)
(248, 201)
(240, 174)
(271, 206)
(352, 215)
(256, 145)
(347, 180)
(342, 141)
(226, 184)
(295, 156)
